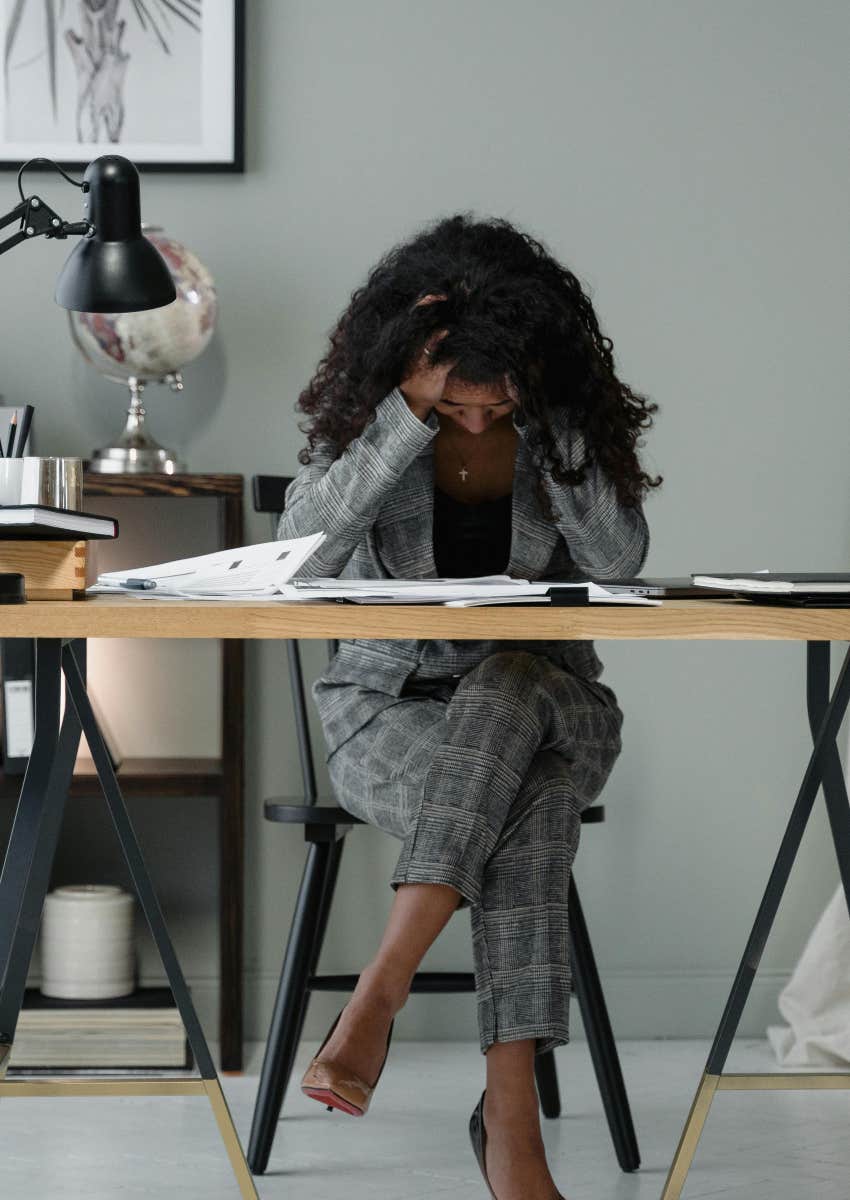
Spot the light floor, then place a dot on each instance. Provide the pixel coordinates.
(413, 1144)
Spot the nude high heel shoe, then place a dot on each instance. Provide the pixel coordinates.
(335, 1085)
(478, 1136)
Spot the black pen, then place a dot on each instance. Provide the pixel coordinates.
(13, 428)
(140, 585)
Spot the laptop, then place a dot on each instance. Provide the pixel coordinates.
(681, 588)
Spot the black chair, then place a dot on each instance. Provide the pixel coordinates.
(325, 827)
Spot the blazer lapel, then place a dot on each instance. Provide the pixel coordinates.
(404, 529)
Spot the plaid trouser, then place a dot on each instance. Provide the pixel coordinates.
(484, 779)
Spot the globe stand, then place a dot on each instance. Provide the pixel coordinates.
(135, 451)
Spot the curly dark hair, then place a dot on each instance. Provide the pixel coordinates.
(510, 308)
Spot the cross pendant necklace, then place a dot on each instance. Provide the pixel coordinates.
(462, 471)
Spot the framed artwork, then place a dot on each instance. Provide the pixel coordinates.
(159, 81)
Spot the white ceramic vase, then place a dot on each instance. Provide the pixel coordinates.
(87, 946)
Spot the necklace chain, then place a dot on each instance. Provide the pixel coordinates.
(463, 472)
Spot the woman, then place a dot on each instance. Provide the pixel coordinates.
(467, 420)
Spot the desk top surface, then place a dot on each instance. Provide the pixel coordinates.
(131, 616)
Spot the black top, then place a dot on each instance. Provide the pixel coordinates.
(471, 539)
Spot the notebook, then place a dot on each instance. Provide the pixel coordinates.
(19, 522)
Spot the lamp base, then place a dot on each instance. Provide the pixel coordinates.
(135, 452)
(118, 460)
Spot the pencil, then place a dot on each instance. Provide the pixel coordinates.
(13, 428)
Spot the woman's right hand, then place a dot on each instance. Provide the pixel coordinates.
(423, 386)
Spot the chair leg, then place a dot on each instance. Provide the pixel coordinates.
(546, 1074)
(322, 916)
(302, 951)
(600, 1037)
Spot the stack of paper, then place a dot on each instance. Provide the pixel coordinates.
(143, 1029)
(266, 572)
(244, 573)
(457, 593)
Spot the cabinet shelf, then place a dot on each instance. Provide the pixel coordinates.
(143, 777)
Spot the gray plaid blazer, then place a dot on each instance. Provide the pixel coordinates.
(375, 503)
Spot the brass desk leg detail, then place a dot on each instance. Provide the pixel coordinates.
(5, 1052)
(228, 1135)
(89, 1086)
(690, 1137)
(772, 1081)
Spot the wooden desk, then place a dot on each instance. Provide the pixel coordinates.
(60, 630)
(131, 616)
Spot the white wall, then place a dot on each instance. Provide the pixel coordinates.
(689, 162)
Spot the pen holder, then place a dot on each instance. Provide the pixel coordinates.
(56, 482)
(10, 480)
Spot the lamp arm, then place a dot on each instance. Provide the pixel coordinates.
(38, 220)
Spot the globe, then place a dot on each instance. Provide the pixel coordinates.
(137, 348)
(159, 341)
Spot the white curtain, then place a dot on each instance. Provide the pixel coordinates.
(816, 1000)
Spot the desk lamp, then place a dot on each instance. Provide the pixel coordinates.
(115, 268)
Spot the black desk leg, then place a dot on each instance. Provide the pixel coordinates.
(834, 788)
(825, 717)
(34, 837)
(25, 880)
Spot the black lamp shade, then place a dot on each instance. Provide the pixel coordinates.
(115, 269)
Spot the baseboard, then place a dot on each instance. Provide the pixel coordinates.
(657, 1004)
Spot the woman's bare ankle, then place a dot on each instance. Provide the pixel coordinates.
(511, 1090)
(513, 1104)
(382, 987)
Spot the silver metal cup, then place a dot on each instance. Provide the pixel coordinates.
(56, 482)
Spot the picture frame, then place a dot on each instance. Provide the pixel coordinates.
(158, 81)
